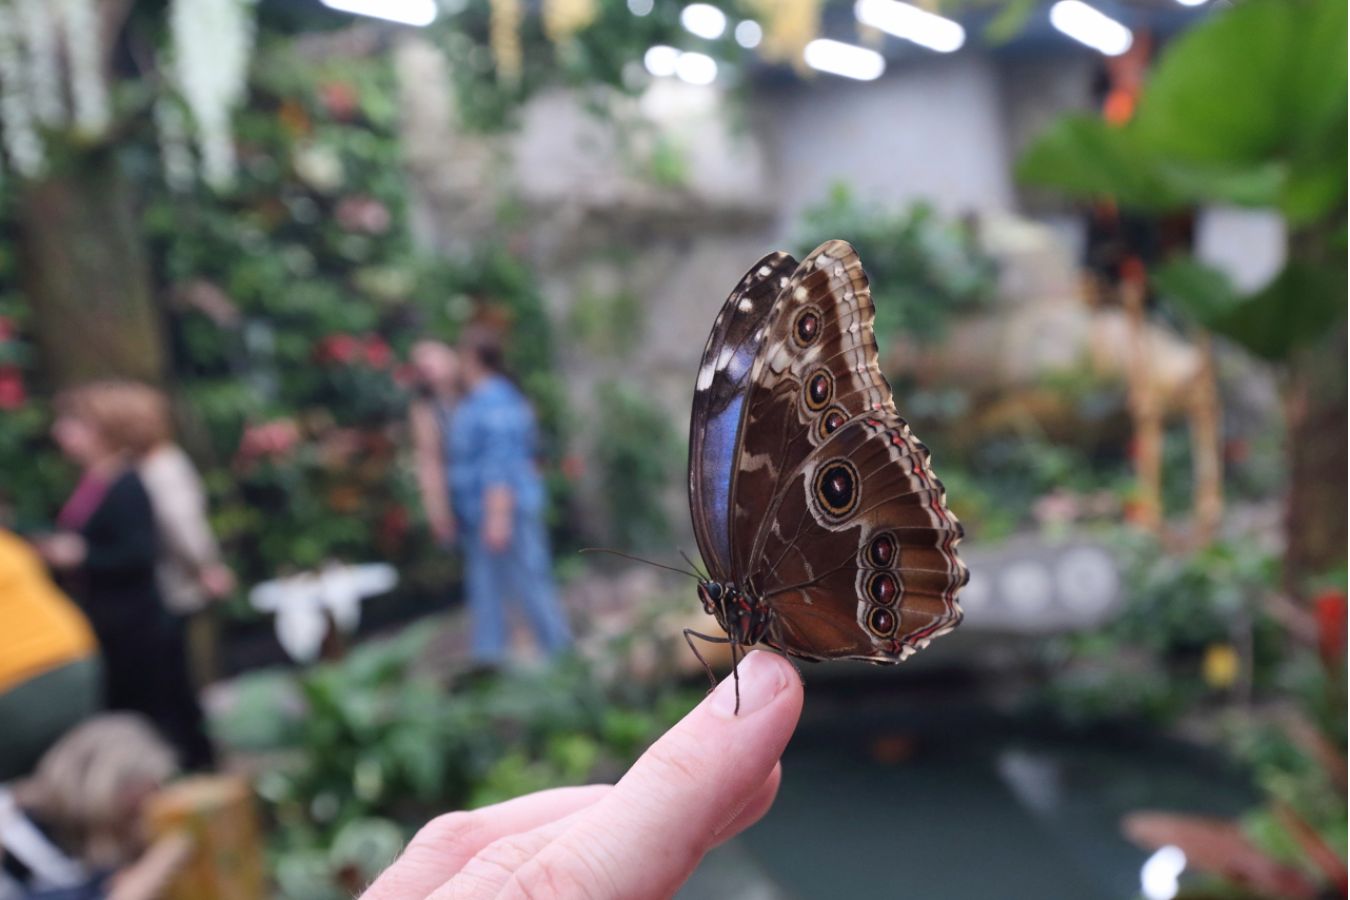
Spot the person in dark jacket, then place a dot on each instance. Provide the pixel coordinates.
(106, 550)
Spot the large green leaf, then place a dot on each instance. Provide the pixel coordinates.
(1298, 305)
(1247, 108)
(1083, 156)
(1086, 157)
(1301, 304)
(1202, 292)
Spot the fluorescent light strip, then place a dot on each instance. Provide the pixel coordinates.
(911, 23)
(703, 20)
(405, 12)
(1091, 26)
(846, 60)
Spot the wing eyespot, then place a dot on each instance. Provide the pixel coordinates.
(806, 327)
(837, 488)
(818, 390)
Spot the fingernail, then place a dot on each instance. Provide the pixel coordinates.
(761, 679)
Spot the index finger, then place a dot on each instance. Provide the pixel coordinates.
(646, 836)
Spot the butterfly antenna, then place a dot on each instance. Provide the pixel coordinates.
(658, 565)
(694, 566)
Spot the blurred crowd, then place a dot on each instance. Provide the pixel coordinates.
(105, 619)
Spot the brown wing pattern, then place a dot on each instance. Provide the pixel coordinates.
(719, 396)
(859, 559)
(873, 578)
(816, 369)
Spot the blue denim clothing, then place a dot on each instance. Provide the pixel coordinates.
(523, 572)
(491, 440)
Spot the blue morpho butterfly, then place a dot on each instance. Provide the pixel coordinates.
(824, 531)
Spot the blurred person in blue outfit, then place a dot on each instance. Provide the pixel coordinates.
(498, 499)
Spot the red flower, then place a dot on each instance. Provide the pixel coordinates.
(12, 393)
(339, 348)
(269, 439)
(1329, 610)
(378, 353)
(572, 467)
(340, 99)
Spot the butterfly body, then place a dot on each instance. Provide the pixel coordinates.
(825, 532)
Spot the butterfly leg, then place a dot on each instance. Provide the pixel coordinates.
(689, 635)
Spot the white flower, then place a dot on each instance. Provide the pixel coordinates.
(213, 41)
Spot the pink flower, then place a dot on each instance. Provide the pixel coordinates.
(363, 213)
(338, 348)
(12, 393)
(378, 353)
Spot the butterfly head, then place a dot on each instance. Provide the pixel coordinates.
(743, 618)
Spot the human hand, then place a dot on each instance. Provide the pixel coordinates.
(497, 532)
(217, 580)
(707, 779)
(443, 530)
(62, 550)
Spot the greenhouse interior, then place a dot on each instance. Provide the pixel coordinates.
(412, 412)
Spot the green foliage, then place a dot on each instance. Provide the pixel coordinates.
(1157, 658)
(923, 269)
(638, 460)
(370, 748)
(1301, 304)
(1248, 108)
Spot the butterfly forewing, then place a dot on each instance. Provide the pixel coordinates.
(719, 397)
(836, 518)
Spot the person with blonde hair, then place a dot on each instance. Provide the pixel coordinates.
(189, 570)
(76, 825)
(105, 552)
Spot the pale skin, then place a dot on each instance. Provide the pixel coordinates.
(438, 367)
(706, 780)
(83, 444)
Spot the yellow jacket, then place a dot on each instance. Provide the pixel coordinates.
(40, 628)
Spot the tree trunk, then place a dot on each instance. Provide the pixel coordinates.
(84, 269)
(1315, 401)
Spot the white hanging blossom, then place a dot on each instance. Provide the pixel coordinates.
(84, 50)
(213, 40)
(175, 151)
(22, 142)
(38, 26)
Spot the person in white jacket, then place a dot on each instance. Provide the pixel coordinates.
(189, 571)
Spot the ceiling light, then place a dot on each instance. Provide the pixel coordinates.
(1091, 26)
(911, 23)
(749, 34)
(838, 58)
(703, 20)
(696, 68)
(405, 12)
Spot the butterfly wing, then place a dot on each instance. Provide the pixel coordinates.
(719, 397)
(821, 426)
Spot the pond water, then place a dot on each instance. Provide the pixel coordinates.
(895, 789)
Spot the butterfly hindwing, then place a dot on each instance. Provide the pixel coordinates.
(719, 396)
(819, 413)
(860, 559)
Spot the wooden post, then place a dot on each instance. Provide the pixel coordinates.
(1145, 408)
(1206, 419)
